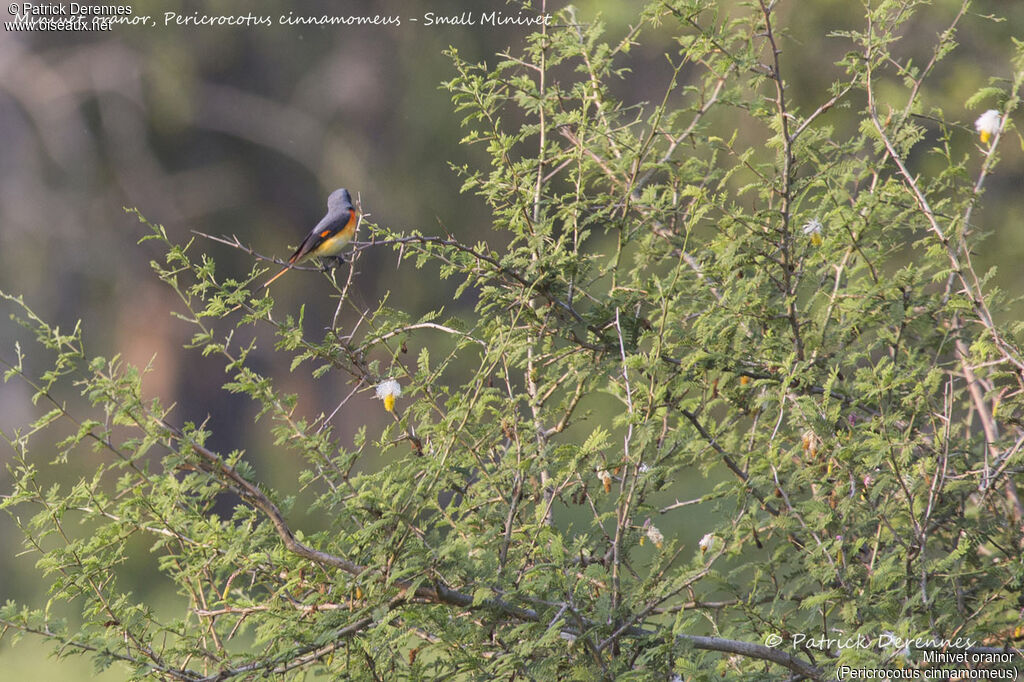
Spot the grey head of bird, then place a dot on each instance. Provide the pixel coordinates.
(339, 200)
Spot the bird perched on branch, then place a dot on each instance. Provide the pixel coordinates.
(334, 231)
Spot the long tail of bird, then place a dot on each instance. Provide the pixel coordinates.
(283, 270)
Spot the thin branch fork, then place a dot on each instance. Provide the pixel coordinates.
(236, 243)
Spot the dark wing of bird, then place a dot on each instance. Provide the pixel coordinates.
(325, 229)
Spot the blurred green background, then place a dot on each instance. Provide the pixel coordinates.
(244, 131)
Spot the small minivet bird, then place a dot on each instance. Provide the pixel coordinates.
(331, 234)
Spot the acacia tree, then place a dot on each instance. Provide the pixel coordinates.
(790, 315)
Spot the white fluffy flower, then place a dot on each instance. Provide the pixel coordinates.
(707, 543)
(812, 228)
(655, 536)
(988, 124)
(606, 479)
(388, 390)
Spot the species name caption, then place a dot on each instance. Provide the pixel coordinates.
(30, 15)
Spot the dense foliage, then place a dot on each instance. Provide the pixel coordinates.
(782, 313)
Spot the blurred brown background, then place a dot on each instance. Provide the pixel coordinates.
(245, 131)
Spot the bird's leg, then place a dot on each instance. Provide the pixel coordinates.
(328, 263)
